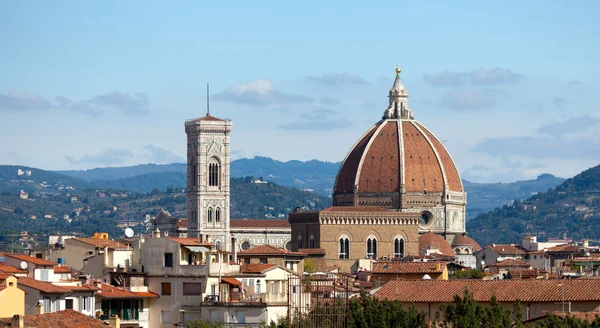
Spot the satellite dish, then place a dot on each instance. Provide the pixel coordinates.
(23, 265)
(128, 232)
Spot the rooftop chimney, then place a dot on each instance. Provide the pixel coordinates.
(114, 322)
(156, 233)
(17, 321)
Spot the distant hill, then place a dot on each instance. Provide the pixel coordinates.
(482, 197)
(72, 206)
(573, 207)
(312, 175)
(36, 180)
(115, 173)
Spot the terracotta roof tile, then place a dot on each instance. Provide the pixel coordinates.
(10, 269)
(510, 263)
(209, 117)
(432, 240)
(255, 268)
(409, 267)
(312, 251)
(520, 273)
(231, 281)
(507, 249)
(452, 176)
(62, 269)
(354, 209)
(380, 170)
(436, 291)
(461, 240)
(30, 259)
(60, 319)
(42, 286)
(564, 249)
(252, 223)
(97, 242)
(190, 242)
(108, 291)
(346, 177)
(269, 250)
(421, 168)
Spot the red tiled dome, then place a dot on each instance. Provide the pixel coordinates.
(396, 152)
(434, 241)
(464, 240)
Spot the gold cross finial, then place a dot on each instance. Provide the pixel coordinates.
(398, 70)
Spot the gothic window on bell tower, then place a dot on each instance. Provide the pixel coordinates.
(214, 172)
(210, 215)
(218, 215)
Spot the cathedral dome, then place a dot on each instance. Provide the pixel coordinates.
(400, 165)
(434, 243)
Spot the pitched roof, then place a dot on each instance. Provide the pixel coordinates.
(10, 269)
(208, 117)
(438, 291)
(251, 223)
(265, 250)
(189, 242)
(60, 319)
(231, 281)
(354, 209)
(109, 291)
(42, 286)
(510, 263)
(255, 268)
(312, 251)
(409, 267)
(62, 269)
(30, 259)
(97, 242)
(564, 249)
(507, 249)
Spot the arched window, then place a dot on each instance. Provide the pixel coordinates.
(311, 242)
(399, 247)
(372, 247)
(299, 241)
(457, 251)
(214, 172)
(218, 215)
(344, 246)
(210, 215)
(218, 245)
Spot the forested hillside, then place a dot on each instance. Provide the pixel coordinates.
(573, 208)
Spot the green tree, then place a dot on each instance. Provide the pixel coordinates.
(310, 266)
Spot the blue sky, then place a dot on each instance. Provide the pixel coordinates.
(509, 87)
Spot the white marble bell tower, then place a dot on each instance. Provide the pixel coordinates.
(208, 189)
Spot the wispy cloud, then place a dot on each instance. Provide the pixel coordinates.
(16, 100)
(330, 101)
(479, 76)
(337, 79)
(260, 93)
(574, 82)
(446, 79)
(162, 156)
(498, 75)
(575, 124)
(108, 156)
(135, 104)
(467, 99)
(318, 119)
(543, 147)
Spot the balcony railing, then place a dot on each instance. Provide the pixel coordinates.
(127, 315)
